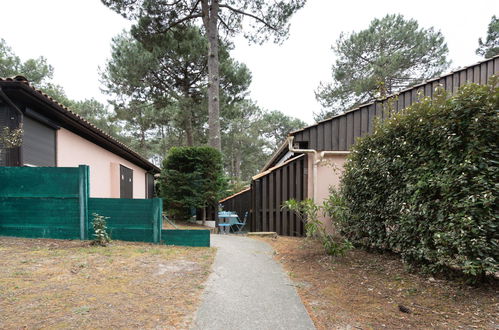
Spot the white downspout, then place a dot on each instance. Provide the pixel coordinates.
(317, 159)
(314, 167)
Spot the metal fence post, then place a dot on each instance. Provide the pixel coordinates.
(83, 194)
(157, 206)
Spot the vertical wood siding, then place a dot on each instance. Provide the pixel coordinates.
(270, 191)
(339, 133)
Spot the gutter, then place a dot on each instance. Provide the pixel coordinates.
(318, 156)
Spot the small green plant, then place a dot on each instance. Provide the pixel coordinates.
(11, 138)
(308, 212)
(101, 237)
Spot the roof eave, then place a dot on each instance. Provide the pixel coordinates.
(81, 125)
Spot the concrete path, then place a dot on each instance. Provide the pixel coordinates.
(249, 290)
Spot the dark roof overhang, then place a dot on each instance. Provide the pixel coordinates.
(21, 92)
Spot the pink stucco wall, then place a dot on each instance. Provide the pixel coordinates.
(73, 150)
(329, 172)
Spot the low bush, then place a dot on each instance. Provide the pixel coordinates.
(192, 177)
(309, 212)
(99, 223)
(425, 184)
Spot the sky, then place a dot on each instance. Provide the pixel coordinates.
(75, 37)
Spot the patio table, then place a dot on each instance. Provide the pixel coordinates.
(229, 219)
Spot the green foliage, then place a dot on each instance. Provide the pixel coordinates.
(157, 84)
(191, 177)
(40, 73)
(249, 136)
(425, 183)
(11, 138)
(257, 20)
(391, 54)
(158, 18)
(36, 70)
(277, 126)
(309, 213)
(101, 236)
(490, 47)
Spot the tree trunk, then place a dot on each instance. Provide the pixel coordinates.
(204, 216)
(188, 127)
(189, 132)
(210, 20)
(238, 164)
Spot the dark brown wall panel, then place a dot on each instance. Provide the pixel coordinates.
(449, 84)
(350, 130)
(328, 133)
(285, 197)
(370, 119)
(490, 70)
(270, 191)
(483, 73)
(312, 142)
(265, 206)
(278, 202)
(342, 133)
(320, 137)
(335, 133)
(342, 130)
(292, 193)
(356, 124)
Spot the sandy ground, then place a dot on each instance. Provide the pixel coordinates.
(70, 284)
(364, 290)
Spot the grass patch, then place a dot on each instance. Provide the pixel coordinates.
(71, 284)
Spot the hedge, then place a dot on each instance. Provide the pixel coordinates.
(425, 184)
(192, 177)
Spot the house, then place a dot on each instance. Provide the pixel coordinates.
(311, 160)
(56, 136)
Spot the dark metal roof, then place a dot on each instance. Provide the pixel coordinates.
(19, 89)
(339, 132)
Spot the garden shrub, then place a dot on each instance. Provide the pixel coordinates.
(308, 212)
(192, 177)
(425, 184)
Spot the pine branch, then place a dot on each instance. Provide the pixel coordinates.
(249, 15)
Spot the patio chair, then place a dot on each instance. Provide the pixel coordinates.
(240, 225)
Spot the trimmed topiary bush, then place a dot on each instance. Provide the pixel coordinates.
(192, 177)
(425, 184)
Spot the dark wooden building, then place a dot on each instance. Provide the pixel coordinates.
(299, 172)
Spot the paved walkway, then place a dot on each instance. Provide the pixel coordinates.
(249, 290)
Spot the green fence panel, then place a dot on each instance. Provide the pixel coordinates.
(129, 219)
(186, 237)
(60, 182)
(39, 217)
(53, 202)
(41, 202)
